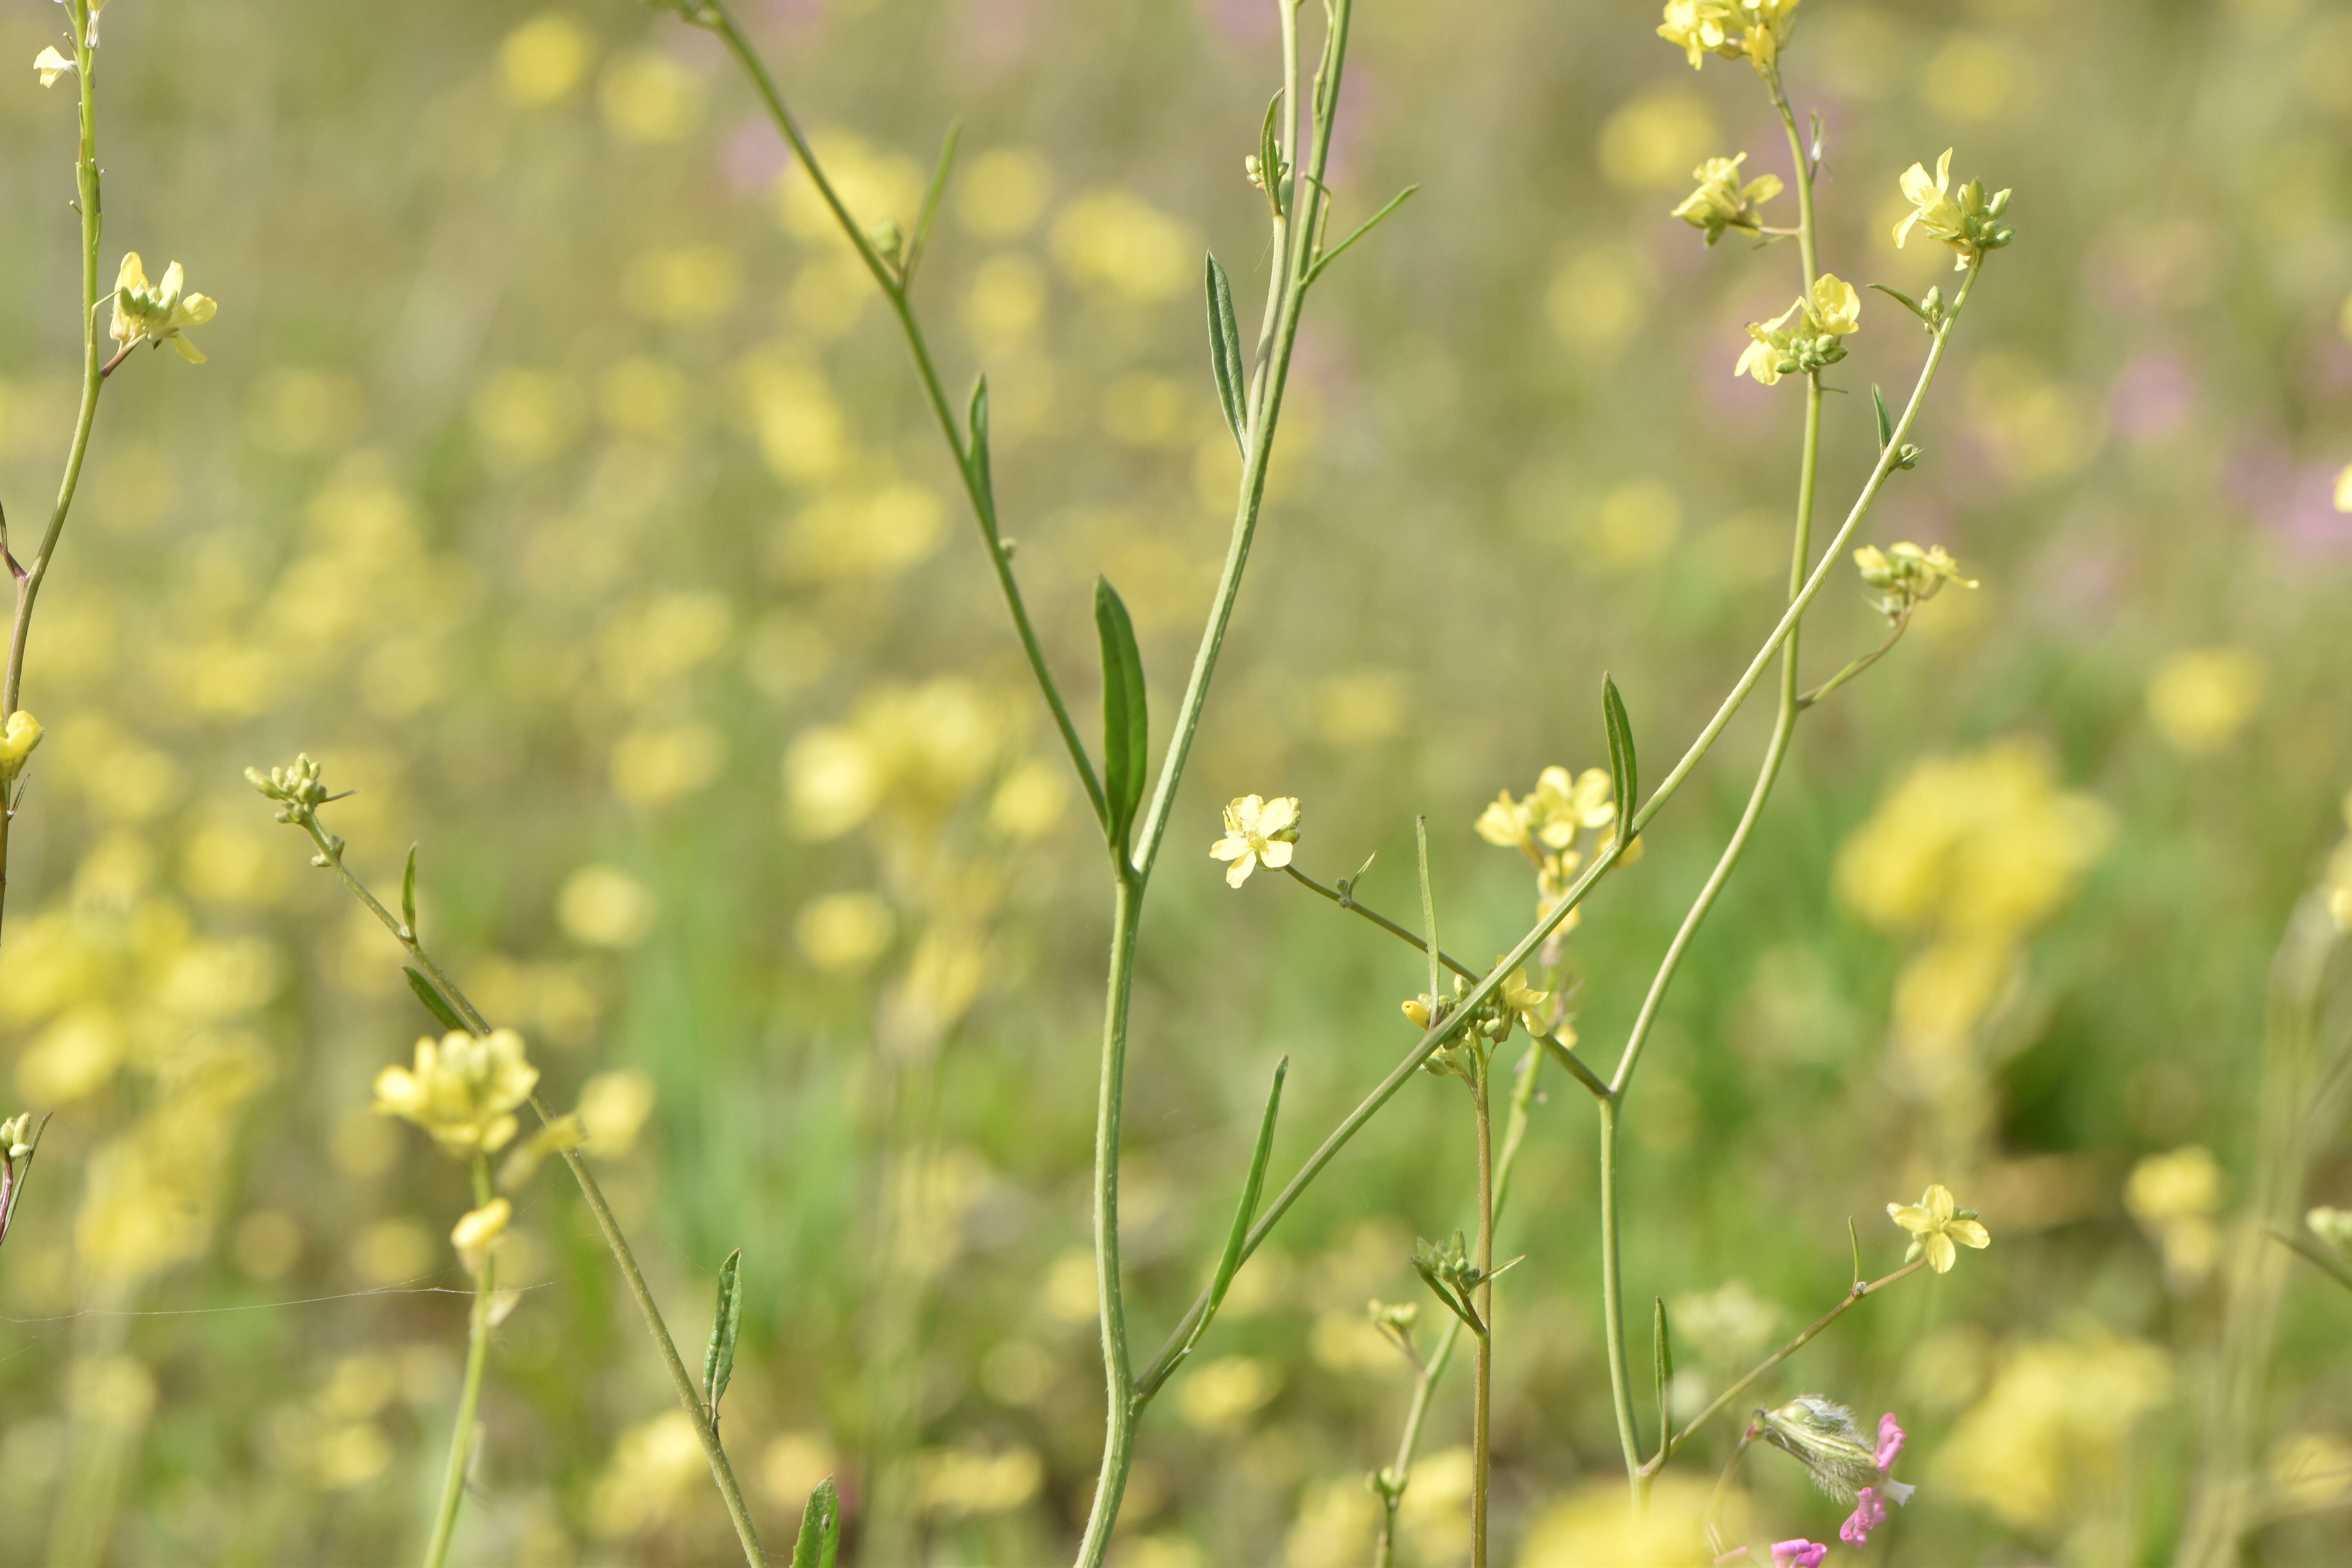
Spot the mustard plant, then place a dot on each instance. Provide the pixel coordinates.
(1458, 1030)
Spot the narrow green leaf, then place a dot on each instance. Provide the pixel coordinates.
(976, 449)
(1624, 770)
(930, 204)
(1126, 730)
(1663, 1366)
(1230, 1264)
(1885, 422)
(1362, 229)
(1225, 354)
(820, 1538)
(1854, 1237)
(1900, 298)
(1269, 155)
(1453, 1303)
(718, 1361)
(408, 894)
(434, 1003)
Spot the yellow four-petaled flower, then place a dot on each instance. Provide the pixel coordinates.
(463, 1090)
(1934, 1224)
(159, 314)
(1259, 832)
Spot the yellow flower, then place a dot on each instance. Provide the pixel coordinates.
(157, 313)
(1932, 208)
(1907, 575)
(1521, 999)
(51, 65)
(1935, 1225)
(463, 1090)
(1505, 822)
(1697, 28)
(1834, 307)
(1700, 27)
(2344, 490)
(18, 736)
(480, 1231)
(1561, 806)
(1259, 832)
(1767, 348)
(1721, 202)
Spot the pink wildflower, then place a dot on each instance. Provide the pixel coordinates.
(1869, 1512)
(1798, 1553)
(1890, 1441)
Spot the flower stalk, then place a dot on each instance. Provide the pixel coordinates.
(469, 1398)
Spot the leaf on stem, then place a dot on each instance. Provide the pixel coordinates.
(1662, 1366)
(1127, 733)
(1624, 770)
(441, 1010)
(1854, 1237)
(1428, 908)
(1908, 303)
(408, 894)
(819, 1542)
(1225, 354)
(718, 1361)
(1886, 421)
(1255, 1183)
(975, 452)
(1326, 257)
(930, 204)
(1269, 155)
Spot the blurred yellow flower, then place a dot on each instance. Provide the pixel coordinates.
(463, 1090)
(2201, 697)
(145, 312)
(648, 97)
(604, 906)
(2344, 490)
(52, 64)
(1259, 832)
(1004, 192)
(542, 60)
(841, 933)
(657, 1467)
(962, 1482)
(1935, 1225)
(18, 736)
(2051, 1429)
(1522, 1000)
(1592, 1526)
(1722, 203)
(2185, 1183)
(1223, 1394)
(1122, 245)
(612, 1110)
(479, 1232)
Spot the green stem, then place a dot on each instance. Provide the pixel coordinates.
(970, 459)
(689, 1398)
(469, 1400)
(1399, 1475)
(1715, 1407)
(1776, 751)
(1118, 1377)
(1902, 623)
(1483, 1395)
(28, 579)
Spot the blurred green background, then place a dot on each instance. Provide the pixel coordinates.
(559, 482)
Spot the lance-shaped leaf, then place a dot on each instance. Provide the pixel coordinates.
(819, 1542)
(1127, 731)
(1886, 421)
(1225, 354)
(975, 451)
(1663, 1368)
(434, 1005)
(718, 1361)
(1252, 1186)
(1269, 155)
(1624, 770)
(930, 204)
(1908, 303)
(408, 894)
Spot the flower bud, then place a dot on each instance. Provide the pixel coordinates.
(479, 1232)
(18, 737)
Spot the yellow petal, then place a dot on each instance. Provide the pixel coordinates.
(1968, 1233)
(1239, 871)
(1911, 1217)
(188, 350)
(1940, 1252)
(1938, 1201)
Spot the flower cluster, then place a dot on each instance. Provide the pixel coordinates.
(463, 1090)
(1967, 220)
(1513, 1003)
(1822, 1436)
(1935, 1225)
(1259, 832)
(299, 787)
(1722, 203)
(18, 736)
(1904, 576)
(158, 314)
(1807, 336)
(1544, 827)
(1753, 30)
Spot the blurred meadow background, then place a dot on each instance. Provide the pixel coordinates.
(559, 482)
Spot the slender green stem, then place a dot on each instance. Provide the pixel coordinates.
(1776, 751)
(469, 1399)
(1721, 1401)
(29, 578)
(1119, 1375)
(1399, 1476)
(722, 1471)
(1902, 624)
(972, 459)
(1483, 1396)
